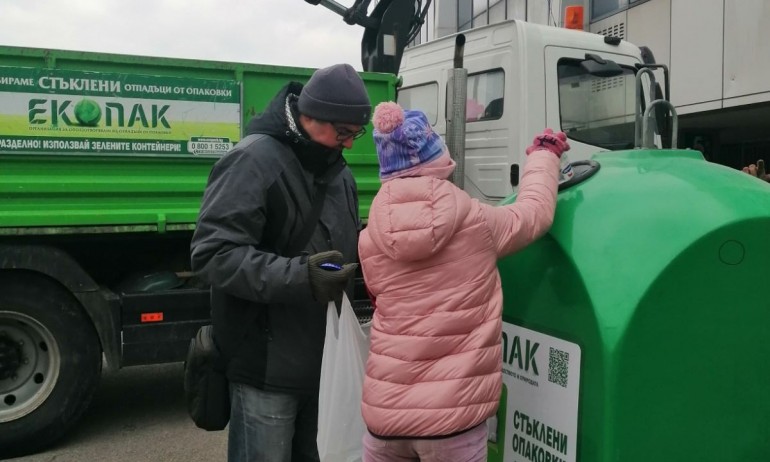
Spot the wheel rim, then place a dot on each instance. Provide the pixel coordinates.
(38, 370)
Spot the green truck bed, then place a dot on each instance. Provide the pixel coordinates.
(93, 142)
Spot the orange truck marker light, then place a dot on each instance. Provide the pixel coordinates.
(573, 17)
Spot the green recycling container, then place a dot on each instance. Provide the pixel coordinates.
(638, 328)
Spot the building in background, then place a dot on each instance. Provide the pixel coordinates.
(718, 52)
(449, 16)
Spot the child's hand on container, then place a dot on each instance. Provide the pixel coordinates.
(757, 170)
(550, 141)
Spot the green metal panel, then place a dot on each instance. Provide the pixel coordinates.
(59, 191)
(653, 267)
(64, 193)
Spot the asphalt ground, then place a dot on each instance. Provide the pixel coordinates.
(138, 414)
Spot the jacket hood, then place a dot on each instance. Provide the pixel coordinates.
(414, 218)
(274, 121)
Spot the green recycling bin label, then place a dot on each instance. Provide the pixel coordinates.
(542, 376)
(64, 111)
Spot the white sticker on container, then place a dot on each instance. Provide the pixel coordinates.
(542, 377)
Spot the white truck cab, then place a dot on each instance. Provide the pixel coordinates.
(522, 78)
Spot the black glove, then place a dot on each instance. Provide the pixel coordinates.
(328, 285)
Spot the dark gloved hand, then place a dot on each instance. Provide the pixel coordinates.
(328, 285)
(550, 141)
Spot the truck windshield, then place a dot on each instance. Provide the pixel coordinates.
(597, 110)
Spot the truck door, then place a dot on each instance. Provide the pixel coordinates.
(596, 112)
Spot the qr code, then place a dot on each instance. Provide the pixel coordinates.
(558, 364)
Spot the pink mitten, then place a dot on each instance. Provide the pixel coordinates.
(550, 141)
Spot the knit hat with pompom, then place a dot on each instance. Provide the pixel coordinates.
(404, 140)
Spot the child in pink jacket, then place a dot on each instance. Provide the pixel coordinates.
(429, 255)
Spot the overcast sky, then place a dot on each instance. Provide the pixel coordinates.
(284, 32)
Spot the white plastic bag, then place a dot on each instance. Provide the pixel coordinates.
(340, 425)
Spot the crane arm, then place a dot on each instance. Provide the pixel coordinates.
(391, 26)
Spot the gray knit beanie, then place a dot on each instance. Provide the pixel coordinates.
(336, 94)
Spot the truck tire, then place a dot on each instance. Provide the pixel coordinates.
(50, 362)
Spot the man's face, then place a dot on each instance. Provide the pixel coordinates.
(334, 135)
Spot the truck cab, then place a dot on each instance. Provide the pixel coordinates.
(522, 78)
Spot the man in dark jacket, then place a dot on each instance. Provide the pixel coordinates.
(259, 244)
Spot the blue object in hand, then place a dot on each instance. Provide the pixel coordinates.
(330, 266)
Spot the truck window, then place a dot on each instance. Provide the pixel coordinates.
(423, 97)
(597, 110)
(485, 96)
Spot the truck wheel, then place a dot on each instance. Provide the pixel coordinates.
(50, 362)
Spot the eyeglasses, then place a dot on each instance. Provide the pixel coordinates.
(344, 133)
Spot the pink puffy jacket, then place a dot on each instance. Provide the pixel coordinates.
(429, 257)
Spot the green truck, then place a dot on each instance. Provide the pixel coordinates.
(103, 162)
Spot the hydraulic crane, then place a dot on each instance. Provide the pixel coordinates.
(390, 27)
